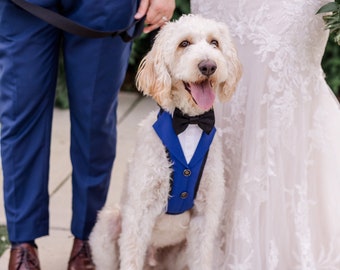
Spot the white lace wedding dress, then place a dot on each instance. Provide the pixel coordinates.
(282, 140)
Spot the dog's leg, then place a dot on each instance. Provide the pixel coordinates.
(104, 240)
(145, 199)
(136, 234)
(145, 195)
(151, 256)
(202, 237)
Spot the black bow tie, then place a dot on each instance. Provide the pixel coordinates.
(181, 121)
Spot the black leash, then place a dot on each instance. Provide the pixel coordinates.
(72, 27)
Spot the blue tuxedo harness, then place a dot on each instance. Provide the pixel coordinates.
(185, 179)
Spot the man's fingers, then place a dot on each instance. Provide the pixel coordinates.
(142, 9)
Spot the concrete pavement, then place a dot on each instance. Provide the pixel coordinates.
(54, 249)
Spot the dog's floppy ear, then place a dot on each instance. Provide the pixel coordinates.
(153, 78)
(234, 68)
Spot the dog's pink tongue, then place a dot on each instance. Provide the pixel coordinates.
(203, 94)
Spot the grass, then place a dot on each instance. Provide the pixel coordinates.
(4, 243)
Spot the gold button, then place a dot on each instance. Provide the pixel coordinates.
(186, 172)
(184, 195)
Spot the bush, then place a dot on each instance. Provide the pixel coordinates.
(331, 65)
(4, 242)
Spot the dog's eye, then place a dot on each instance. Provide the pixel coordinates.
(184, 44)
(214, 42)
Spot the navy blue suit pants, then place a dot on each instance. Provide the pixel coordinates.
(95, 69)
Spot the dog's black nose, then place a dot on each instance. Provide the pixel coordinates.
(207, 67)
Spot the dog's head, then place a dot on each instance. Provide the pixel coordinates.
(191, 60)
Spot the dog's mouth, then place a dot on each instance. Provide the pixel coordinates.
(202, 93)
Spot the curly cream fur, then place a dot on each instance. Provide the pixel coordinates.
(150, 239)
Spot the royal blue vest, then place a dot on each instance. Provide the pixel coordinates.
(185, 178)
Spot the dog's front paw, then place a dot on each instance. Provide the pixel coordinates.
(103, 240)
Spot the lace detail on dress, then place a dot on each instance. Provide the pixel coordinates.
(281, 135)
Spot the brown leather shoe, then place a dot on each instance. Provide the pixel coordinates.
(24, 257)
(81, 258)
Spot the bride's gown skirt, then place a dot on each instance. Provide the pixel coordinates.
(281, 135)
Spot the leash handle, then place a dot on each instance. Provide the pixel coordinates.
(72, 27)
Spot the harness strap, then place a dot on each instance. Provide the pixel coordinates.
(200, 174)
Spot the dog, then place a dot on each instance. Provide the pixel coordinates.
(191, 61)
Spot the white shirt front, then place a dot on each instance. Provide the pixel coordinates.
(189, 140)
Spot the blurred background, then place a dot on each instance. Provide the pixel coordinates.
(330, 62)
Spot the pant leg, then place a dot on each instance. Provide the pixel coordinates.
(95, 69)
(28, 69)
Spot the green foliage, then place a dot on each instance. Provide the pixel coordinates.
(332, 18)
(61, 100)
(182, 7)
(331, 59)
(4, 242)
(331, 65)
